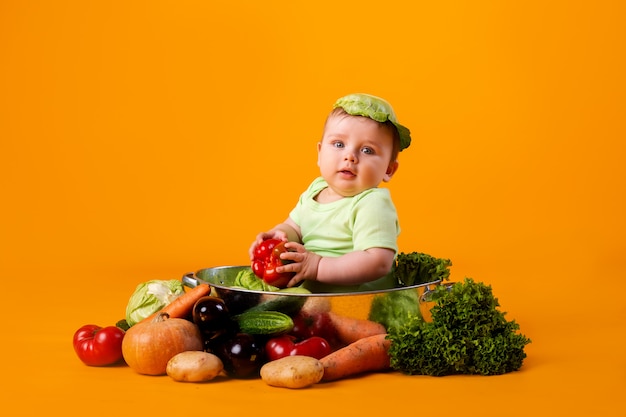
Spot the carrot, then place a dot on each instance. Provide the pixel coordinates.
(365, 355)
(350, 329)
(182, 305)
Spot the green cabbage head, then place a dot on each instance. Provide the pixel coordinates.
(150, 297)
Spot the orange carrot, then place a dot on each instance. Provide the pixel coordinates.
(350, 329)
(182, 305)
(369, 354)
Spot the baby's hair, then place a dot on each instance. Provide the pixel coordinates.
(339, 112)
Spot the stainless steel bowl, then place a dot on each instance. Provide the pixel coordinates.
(351, 304)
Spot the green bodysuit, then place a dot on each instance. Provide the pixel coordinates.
(366, 220)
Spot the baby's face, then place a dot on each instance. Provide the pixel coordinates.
(354, 154)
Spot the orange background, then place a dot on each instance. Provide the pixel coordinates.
(142, 140)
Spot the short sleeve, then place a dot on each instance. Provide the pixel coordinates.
(375, 221)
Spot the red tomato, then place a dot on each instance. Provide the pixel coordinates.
(99, 346)
(316, 347)
(281, 346)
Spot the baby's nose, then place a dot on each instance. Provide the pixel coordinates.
(350, 156)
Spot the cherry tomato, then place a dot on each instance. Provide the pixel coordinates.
(281, 346)
(99, 346)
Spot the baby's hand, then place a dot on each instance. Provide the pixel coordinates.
(274, 234)
(303, 263)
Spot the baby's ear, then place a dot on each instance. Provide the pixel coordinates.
(391, 170)
(319, 146)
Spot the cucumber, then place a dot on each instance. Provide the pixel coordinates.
(289, 305)
(268, 323)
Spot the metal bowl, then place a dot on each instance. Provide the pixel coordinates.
(351, 304)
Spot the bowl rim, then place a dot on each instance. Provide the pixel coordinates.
(191, 279)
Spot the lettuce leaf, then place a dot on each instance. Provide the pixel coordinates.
(248, 280)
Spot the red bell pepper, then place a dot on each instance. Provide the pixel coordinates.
(267, 259)
(281, 346)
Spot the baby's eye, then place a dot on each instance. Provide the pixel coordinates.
(367, 150)
(338, 144)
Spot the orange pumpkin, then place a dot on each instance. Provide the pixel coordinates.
(148, 346)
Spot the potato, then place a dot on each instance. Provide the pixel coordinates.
(194, 366)
(316, 305)
(292, 372)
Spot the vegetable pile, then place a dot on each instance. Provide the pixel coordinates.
(292, 341)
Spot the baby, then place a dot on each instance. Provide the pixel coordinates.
(342, 233)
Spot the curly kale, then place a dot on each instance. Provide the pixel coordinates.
(467, 335)
(419, 268)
